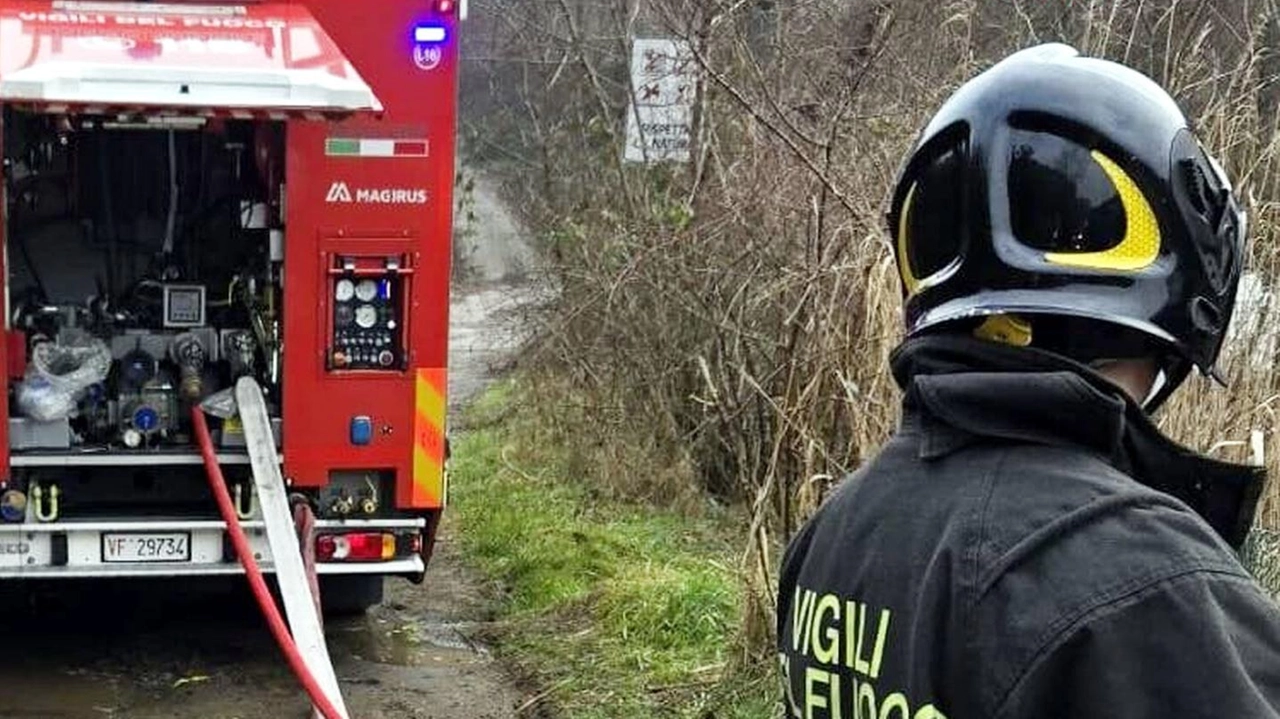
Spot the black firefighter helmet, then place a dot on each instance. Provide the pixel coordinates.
(1061, 201)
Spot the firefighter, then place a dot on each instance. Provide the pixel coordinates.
(1028, 544)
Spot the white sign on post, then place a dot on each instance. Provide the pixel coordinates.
(660, 116)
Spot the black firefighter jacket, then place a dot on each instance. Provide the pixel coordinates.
(1026, 545)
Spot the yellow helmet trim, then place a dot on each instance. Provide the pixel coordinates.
(904, 264)
(1005, 329)
(1141, 243)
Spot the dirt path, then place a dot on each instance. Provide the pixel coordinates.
(119, 651)
(169, 651)
(493, 286)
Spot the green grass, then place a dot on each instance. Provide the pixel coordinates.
(613, 609)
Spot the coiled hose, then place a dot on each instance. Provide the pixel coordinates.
(254, 572)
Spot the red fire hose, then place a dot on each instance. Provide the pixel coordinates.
(254, 573)
(304, 521)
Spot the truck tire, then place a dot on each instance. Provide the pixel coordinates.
(342, 596)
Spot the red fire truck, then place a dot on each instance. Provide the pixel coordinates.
(197, 192)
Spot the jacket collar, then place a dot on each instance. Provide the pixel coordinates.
(960, 390)
(1053, 408)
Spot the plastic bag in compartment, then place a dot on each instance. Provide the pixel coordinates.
(60, 372)
(221, 404)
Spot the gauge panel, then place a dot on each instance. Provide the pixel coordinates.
(366, 332)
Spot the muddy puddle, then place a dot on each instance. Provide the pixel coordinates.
(67, 694)
(385, 637)
(168, 651)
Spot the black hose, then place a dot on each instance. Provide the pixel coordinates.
(31, 266)
(108, 219)
(19, 231)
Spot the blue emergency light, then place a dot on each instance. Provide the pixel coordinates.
(429, 33)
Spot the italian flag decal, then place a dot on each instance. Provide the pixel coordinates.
(367, 147)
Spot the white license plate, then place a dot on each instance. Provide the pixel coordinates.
(148, 547)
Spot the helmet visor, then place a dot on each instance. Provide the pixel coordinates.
(931, 218)
(1077, 205)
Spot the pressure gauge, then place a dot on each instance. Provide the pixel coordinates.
(366, 290)
(342, 315)
(344, 291)
(366, 316)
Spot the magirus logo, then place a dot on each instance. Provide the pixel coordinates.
(341, 192)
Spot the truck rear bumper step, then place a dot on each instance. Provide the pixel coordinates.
(70, 549)
(407, 567)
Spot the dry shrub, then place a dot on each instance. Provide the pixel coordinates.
(732, 318)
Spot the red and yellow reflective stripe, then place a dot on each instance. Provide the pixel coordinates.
(428, 438)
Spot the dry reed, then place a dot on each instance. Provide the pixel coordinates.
(723, 327)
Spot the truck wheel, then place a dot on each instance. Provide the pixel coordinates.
(349, 595)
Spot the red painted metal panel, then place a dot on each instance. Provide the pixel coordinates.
(370, 203)
(16, 342)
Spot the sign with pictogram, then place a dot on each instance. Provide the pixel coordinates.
(664, 76)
